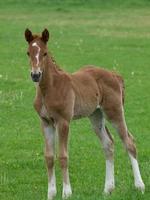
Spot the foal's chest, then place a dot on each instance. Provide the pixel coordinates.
(43, 112)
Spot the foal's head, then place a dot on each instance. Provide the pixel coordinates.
(37, 52)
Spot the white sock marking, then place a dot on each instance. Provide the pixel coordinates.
(52, 186)
(50, 137)
(136, 172)
(109, 179)
(67, 191)
(38, 53)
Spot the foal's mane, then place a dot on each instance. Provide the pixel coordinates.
(54, 62)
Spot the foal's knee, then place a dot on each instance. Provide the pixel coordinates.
(49, 160)
(63, 161)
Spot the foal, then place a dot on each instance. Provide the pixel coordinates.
(60, 97)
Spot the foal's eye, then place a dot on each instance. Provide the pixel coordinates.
(28, 53)
(45, 54)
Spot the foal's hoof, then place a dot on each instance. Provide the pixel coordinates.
(108, 189)
(66, 195)
(52, 195)
(140, 186)
(67, 192)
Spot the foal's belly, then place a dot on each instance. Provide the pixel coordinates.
(85, 108)
(83, 113)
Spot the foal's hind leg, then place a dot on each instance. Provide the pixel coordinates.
(98, 123)
(115, 114)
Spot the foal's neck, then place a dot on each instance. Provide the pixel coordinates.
(49, 72)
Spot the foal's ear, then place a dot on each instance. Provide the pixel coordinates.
(28, 35)
(45, 36)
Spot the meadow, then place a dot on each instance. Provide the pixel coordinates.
(114, 36)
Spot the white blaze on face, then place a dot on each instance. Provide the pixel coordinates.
(38, 52)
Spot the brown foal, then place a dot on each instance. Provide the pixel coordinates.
(60, 97)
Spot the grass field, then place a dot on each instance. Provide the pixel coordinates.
(112, 35)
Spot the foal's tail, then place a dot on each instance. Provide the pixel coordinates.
(122, 85)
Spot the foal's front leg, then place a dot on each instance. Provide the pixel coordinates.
(49, 135)
(63, 130)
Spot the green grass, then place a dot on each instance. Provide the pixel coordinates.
(114, 35)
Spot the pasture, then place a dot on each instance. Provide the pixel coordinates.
(113, 36)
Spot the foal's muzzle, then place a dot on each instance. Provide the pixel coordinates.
(36, 76)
